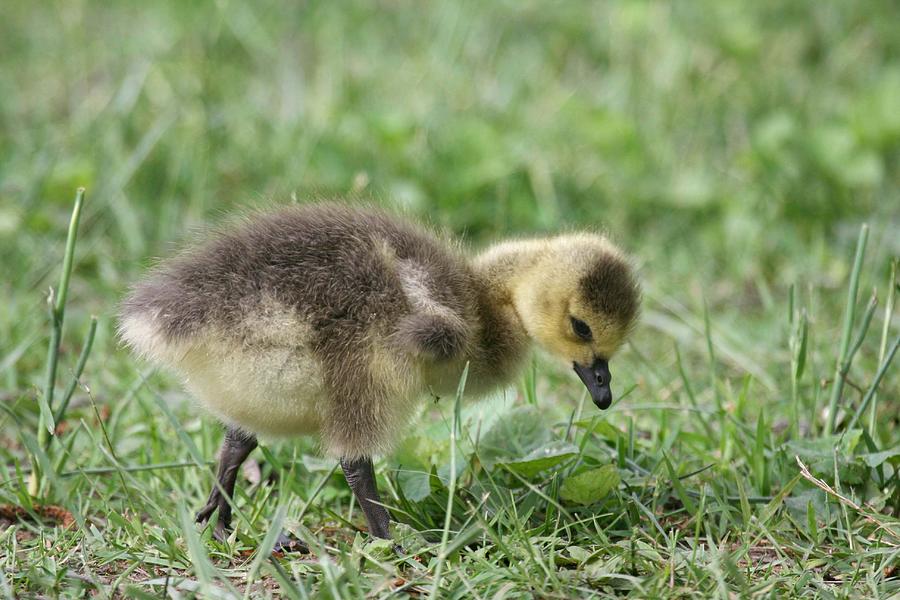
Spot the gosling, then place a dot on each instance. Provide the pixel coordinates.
(337, 321)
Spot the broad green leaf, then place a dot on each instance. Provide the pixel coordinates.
(600, 427)
(798, 502)
(542, 458)
(435, 480)
(416, 484)
(590, 486)
(408, 539)
(578, 553)
(820, 454)
(421, 450)
(514, 436)
(876, 458)
(851, 470)
(844, 443)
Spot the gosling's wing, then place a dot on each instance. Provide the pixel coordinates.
(436, 324)
(434, 336)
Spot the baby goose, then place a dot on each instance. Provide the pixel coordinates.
(337, 321)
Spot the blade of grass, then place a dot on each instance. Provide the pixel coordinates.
(649, 514)
(811, 522)
(746, 511)
(316, 490)
(530, 383)
(679, 488)
(203, 568)
(40, 460)
(760, 464)
(451, 488)
(76, 375)
(265, 547)
(57, 303)
(863, 329)
(870, 394)
(885, 330)
(57, 306)
(872, 447)
(137, 468)
(710, 348)
(798, 346)
(114, 458)
(179, 430)
(849, 315)
(792, 290)
(689, 390)
(287, 585)
(776, 502)
(16, 353)
(65, 451)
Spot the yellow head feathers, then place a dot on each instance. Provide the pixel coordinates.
(577, 296)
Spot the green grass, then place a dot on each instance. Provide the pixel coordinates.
(735, 148)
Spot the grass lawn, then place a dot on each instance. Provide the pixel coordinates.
(747, 153)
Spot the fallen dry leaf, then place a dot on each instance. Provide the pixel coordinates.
(252, 472)
(57, 514)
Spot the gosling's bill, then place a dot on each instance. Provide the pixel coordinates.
(596, 378)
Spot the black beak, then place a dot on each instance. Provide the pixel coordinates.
(596, 378)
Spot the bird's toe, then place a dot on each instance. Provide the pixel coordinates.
(204, 514)
(289, 543)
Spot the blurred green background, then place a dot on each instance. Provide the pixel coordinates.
(744, 133)
(733, 147)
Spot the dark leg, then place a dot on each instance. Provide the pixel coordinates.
(235, 449)
(360, 476)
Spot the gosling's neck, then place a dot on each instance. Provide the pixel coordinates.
(504, 266)
(504, 342)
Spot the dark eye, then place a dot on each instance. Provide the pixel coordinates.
(581, 329)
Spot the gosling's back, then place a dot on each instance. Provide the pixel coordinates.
(313, 318)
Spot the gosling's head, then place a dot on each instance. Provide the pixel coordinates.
(579, 301)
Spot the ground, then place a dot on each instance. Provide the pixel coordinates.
(735, 148)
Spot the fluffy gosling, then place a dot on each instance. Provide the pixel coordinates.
(337, 321)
